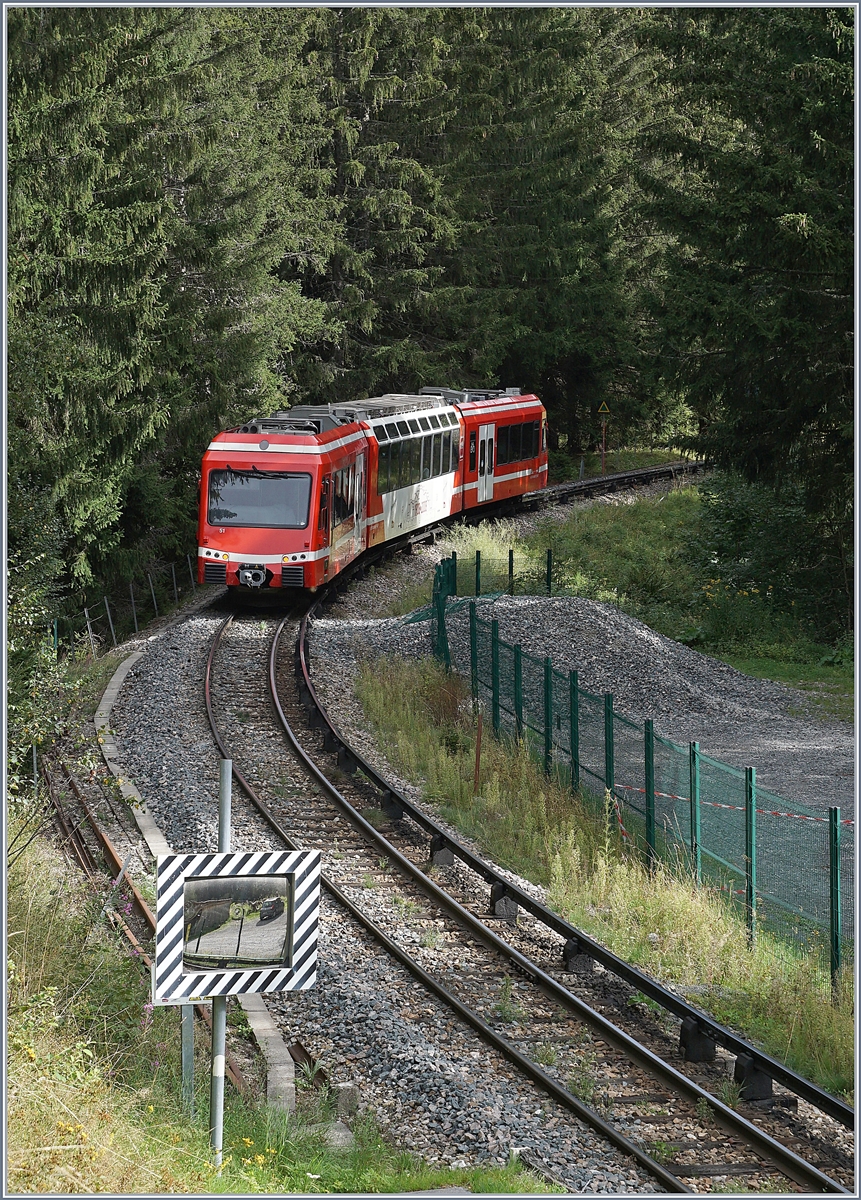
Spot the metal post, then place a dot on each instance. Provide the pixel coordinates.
(518, 689)
(219, 1003)
(152, 590)
(649, 755)
(442, 650)
(609, 764)
(549, 570)
(175, 590)
(494, 673)
(750, 850)
(454, 572)
(548, 715)
(574, 692)
(477, 775)
(511, 571)
(473, 650)
(110, 622)
(90, 630)
(187, 1028)
(191, 573)
(696, 840)
(134, 610)
(478, 572)
(834, 881)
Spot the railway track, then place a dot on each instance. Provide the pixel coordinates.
(589, 1036)
(567, 1043)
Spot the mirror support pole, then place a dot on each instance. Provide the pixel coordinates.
(187, 1025)
(219, 1003)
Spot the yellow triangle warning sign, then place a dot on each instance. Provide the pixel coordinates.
(604, 408)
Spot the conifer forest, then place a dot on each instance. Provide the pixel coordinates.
(214, 213)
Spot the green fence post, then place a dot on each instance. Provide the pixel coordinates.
(441, 648)
(494, 673)
(473, 650)
(649, 756)
(834, 881)
(549, 570)
(696, 852)
(511, 571)
(750, 850)
(478, 572)
(609, 765)
(518, 688)
(454, 572)
(575, 729)
(548, 715)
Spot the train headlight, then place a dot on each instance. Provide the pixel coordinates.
(225, 557)
(285, 557)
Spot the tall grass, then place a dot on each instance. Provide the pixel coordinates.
(681, 933)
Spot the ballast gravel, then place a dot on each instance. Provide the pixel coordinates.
(434, 1088)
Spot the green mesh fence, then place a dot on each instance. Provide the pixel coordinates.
(672, 802)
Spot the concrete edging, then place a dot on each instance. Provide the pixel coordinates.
(280, 1068)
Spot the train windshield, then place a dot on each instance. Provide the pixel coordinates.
(271, 499)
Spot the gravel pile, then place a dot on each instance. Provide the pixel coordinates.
(691, 697)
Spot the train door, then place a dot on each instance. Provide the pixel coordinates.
(485, 463)
(359, 505)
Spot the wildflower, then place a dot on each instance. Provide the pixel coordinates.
(149, 1108)
(311, 1176)
(248, 1141)
(260, 1159)
(269, 1150)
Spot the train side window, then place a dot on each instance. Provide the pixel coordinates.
(536, 436)
(437, 455)
(446, 453)
(382, 469)
(472, 450)
(482, 456)
(392, 430)
(514, 441)
(490, 455)
(415, 460)
(502, 440)
(424, 422)
(426, 457)
(455, 448)
(323, 516)
(404, 428)
(434, 420)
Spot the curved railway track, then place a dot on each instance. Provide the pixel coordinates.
(424, 897)
(505, 977)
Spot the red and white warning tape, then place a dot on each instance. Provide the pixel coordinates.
(768, 812)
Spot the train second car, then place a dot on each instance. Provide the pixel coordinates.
(288, 501)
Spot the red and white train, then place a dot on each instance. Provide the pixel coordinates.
(288, 501)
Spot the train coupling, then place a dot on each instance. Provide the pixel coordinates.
(252, 575)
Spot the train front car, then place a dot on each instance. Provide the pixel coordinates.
(288, 501)
(281, 501)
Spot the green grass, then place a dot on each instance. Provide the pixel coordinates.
(680, 933)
